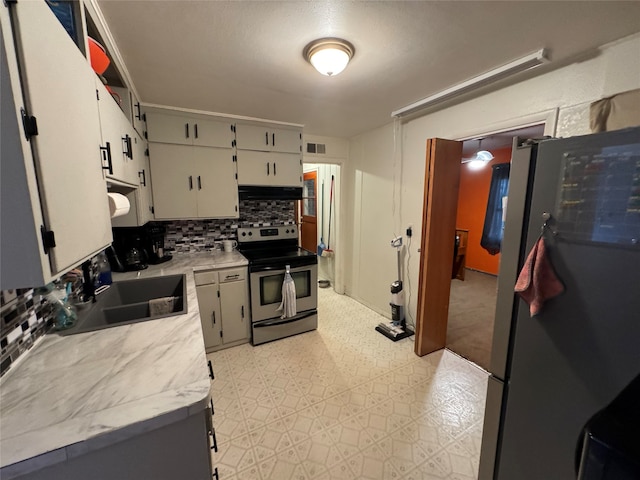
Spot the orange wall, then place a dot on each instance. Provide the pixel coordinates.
(472, 206)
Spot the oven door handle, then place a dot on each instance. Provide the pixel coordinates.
(284, 320)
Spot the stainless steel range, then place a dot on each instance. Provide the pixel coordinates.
(269, 251)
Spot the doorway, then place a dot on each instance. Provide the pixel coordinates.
(325, 177)
(472, 300)
(470, 306)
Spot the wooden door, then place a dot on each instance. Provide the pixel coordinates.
(441, 184)
(309, 212)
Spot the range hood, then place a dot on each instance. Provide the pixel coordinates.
(252, 192)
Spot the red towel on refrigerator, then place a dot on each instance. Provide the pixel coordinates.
(537, 281)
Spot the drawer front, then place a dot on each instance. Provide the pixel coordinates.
(206, 277)
(233, 275)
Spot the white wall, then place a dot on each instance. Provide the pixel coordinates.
(368, 176)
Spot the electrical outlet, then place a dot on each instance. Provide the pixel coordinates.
(409, 231)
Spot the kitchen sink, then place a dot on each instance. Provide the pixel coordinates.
(128, 301)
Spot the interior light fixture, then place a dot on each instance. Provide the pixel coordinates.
(520, 65)
(329, 56)
(480, 159)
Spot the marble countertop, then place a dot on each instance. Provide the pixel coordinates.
(73, 394)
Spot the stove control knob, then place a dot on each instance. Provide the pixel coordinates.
(293, 230)
(244, 234)
(250, 234)
(287, 231)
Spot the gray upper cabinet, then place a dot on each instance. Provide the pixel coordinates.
(140, 198)
(138, 116)
(181, 129)
(193, 182)
(266, 138)
(117, 139)
(55, 212)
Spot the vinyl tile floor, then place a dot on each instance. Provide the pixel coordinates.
(345, 402)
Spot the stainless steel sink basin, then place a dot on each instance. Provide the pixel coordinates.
(127, 302)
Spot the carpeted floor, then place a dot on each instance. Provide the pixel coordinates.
(472, 307)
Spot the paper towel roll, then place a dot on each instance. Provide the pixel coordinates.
(118, 204)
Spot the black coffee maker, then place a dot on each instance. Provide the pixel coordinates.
(129, 249)
(154, 243)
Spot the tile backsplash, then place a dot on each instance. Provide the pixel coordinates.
(185, 236)
(25, 316)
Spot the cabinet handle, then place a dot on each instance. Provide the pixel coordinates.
(211, 375)
(195, 130)
(138, 115)
(106, 155)
(186, 127)
(266, 138)
(199, 183)
(190, 182)
(143, 174)
(242, 311)
(215, 474)
(214, 317)
(273, 139)
(212, 411)
(127, 145)
(274, 168)
(214, 441)
(267, 168)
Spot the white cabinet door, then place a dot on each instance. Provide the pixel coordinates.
(138, 115)
(234, 310)
(286, 169)
(215, 181)
(145, 208)
(188, 130)
(269, 169)
(116, 137)
(287, 141)
(212, 133)
(254, 168)
(266, 138)
(173, 181)
(61, 94)
(253, 137)
(168, 128)
(209, 306)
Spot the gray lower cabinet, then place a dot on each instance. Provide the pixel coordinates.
(223, 300)
(181, 449)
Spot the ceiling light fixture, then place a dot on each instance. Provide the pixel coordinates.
(520, 65)
(480, 159)
(329, 56)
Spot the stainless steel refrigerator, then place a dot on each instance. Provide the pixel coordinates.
(552, 372)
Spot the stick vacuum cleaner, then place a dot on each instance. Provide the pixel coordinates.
(397, 328)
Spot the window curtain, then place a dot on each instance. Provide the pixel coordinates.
(493, 220)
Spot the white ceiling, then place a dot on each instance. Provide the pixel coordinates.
(245, 57)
